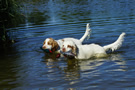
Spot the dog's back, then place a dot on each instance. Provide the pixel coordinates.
(76, 41)
(88, 51)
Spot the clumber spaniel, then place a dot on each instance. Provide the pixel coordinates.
(90, 50)
(55, 45)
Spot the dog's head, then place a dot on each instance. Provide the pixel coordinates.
(51, 44)
(69, 46)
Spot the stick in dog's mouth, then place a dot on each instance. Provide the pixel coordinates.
(69, 55)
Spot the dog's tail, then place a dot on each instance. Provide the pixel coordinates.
(87, 32)
(116, 45)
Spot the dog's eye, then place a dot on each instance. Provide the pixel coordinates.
(49, 43)
(69, 46)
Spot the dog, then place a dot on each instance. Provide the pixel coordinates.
(91, 50)
(55, 45)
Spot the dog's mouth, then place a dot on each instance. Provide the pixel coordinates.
(69, 54)
(46, 50)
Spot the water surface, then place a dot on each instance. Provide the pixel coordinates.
(27, 67)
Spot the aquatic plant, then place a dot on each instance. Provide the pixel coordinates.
(9, 10)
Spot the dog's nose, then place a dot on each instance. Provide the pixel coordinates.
(44, 47)
(64, 49)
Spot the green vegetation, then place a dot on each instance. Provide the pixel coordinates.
(9, 14)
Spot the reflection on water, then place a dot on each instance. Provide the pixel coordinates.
(76, 71)
(25, 66)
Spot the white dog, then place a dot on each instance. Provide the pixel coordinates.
(55, 45)
(91, 50)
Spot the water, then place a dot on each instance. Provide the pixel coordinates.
(26, 67)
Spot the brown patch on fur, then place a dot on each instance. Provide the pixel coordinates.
(44, 47)
(69, 46)
(44, 42)
(63, 40)
(54, 44)
(73, 49)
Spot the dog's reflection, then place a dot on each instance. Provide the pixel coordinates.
(50, 59)
(73, 69)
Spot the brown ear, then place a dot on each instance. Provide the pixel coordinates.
(54, 45)
(74, 50)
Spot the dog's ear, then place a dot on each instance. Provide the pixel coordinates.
(74, 50)
(54, 45)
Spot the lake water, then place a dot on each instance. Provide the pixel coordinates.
(26, 67)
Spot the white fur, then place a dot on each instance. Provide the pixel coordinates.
(46, 44)
(116, 45)
(76, 41)
(92, 50)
